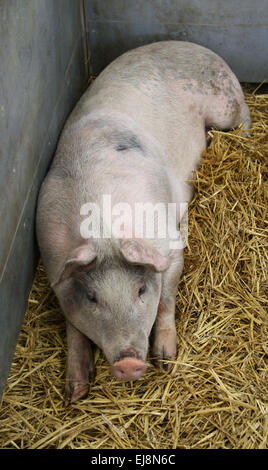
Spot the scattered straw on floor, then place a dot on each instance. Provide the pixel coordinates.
(217, 394)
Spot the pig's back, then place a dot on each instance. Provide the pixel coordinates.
(151, 89)
(161, 72)
(150, 63)
(160, 93)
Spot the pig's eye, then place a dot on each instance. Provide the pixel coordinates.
(142, 289)
(92, 297)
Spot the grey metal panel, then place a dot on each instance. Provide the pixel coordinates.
(238, 31)
(42, 75)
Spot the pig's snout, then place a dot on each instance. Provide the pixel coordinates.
(128, 367)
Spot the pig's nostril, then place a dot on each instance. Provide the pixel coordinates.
(120, 374)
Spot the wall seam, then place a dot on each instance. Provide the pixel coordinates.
(85, 37)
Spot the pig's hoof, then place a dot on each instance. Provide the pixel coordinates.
(74, 391)
(164, 348)
(162, 362)
(77, 385)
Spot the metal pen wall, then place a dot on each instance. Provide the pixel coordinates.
(42, 74)
(236, 30)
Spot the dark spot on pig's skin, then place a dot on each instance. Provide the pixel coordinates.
(128, 142)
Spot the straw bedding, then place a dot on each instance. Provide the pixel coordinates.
(217, 393)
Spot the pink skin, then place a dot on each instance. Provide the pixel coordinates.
(128, 368)
(80, 365)
(165, 337)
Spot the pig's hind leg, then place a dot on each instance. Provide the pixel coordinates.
(80, 365)
(227, 111)
(164, 337)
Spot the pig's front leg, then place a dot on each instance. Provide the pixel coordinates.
(164, 332)
(80, 365)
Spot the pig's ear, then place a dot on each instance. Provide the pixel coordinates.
(80, 259)
(140, 252)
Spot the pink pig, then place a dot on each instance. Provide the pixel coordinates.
(136, 135)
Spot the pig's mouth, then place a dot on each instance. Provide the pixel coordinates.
(128, 366)
(130, 352)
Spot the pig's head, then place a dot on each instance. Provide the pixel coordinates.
(114, 301)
